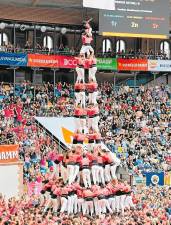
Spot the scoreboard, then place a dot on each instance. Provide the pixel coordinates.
(133, 18)
(136, 18)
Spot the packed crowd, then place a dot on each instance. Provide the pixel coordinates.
(152, 207)
(132, 54)
(66, 50)
(130, 122)
(42, 49)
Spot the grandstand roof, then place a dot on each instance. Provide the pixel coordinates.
(60, 12)
(69, 12)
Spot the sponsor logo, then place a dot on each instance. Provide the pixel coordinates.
(70, 62)
(8, 155)
(155, 179)
(153, 64)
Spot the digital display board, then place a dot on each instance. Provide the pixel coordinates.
(99, 4)
(136, 18)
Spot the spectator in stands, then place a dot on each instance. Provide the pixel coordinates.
(61, 48)
(38, 47)
(10, 47)
(3, 47)
(27, 45)
(66, 49)
(72, 51)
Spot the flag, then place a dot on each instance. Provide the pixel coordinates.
(154, 179)
(167, 179)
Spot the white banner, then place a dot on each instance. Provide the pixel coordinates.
(11, 177)
(159, 65)
(62, 128)
(100, 4)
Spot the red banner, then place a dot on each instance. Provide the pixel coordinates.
(51, 61)
(9, 153)
(67, 62)
(38, 60)
(133, 64)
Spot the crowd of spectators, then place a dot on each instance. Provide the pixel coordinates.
(66, 50)
(136, 125)
(153, 207)
(28, 48)
(132, 54)
(131, 122)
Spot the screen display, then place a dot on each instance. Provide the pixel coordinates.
(136, 18)
(100, 4)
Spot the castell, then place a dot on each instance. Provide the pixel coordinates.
(90, 185)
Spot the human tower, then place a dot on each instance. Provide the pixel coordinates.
(84, 180)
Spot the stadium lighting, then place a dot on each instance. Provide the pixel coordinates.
(2, 25)
(43, 29)
(63, 30)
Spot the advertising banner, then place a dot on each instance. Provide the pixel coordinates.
(39, 60)
(67, 62)
(132, 64)
(106, 64)
(11, 178)
(159, 65)
(9, 153)
(13, 59)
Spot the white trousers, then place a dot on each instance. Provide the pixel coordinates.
(103, 206)
(88, 207)
(112, 203)
(72, 171)
(122, 203)
(113, 170)
(95, 173)
(64, 202)
(80, 98)
(92, 74)
(80, 203)
(86, 178)
(107, 173)
(57, 169)
(86, 49)
(128, 202)
(48, 203)
(72, 204)
(56, 204)
(80, 125)
(117, 203)
(98, 174)
(80, 75)
(64, 174)
(101, 175)
(96, 205)
(93, 123)
(92, 98)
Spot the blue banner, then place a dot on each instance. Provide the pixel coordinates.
(13, 59)
(154, 179)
